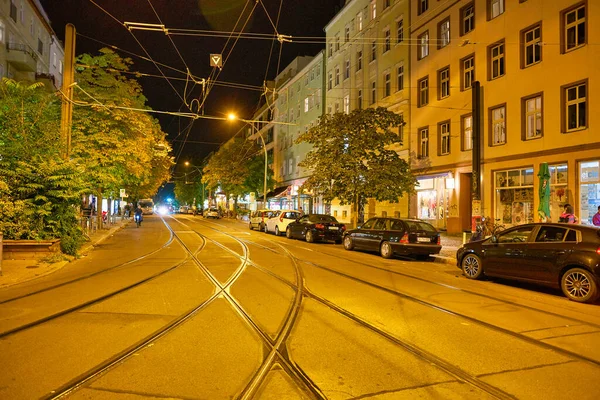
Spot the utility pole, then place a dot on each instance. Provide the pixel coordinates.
(477, 104)
(67, 88)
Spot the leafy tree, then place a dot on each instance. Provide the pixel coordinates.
(238, 168)
(354, 158)
(119, 146)
(189, 189)
(39, 190)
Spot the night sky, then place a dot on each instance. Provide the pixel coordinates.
(248, 63)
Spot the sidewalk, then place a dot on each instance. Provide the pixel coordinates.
(450, 244)
(18, 271)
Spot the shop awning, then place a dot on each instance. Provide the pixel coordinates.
(281, 191)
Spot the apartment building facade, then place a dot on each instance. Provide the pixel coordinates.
(367, 65)
(29, 49)
(299, 104)
(534, 60)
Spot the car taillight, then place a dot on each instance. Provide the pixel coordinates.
(319, 226)
(439, 240)
(598, 250)
(404, 238)
(343, 228)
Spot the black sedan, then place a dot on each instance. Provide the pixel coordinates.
(391, 236)
(316, 227)
(564, 256)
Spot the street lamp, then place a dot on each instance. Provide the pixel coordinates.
(233, 117)
(187, 164)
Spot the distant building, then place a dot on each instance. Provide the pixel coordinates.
(536, 61)
(29, 49)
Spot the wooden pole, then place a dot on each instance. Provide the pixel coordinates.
(67, 88)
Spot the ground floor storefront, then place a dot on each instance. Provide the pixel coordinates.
(510, 190)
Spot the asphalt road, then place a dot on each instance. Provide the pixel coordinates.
(190, 308)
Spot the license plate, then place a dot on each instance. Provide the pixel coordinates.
(424, 240)
(333, 228)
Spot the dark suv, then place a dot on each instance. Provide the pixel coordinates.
(391, 236)
(565, 256)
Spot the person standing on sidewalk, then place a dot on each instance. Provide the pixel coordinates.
(596, 219)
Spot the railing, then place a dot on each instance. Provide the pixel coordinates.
(21, 47)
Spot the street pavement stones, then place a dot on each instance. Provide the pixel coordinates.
(18, 271)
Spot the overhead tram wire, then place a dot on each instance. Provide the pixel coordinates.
(140, 44)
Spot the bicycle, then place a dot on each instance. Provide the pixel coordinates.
(138, 220)
(491, 228)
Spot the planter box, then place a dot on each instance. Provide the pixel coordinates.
(29, 249)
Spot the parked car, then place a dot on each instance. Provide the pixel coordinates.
(183, 209)
(315, 227)
(279, 221)
(212, 212)
(564, 256)
(391, 236)
(258, 217)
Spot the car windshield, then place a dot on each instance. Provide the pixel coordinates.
(321, 218)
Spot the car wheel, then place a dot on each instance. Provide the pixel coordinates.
(348, 243)
(288, 233)
(472, 267)
(277, 233)
(579, 285)
(386, 250)
(310, 237)
(250, 225)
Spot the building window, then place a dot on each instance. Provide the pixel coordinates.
(444, 138)
(498, 125)
(347, 104)
(574, 28)
(337, 42)
(532, 117)
(306, 104)
(386, 4)
(347, 70)
(467, 18)
(444, 33)
(330, 49)
(40, 47)
(423, 45)
(575, 103)
(400, 30)
(466, 124)
(358, 60)
(374, 51)
(423, 142)
(388, 41)
(388, 84)
(330, 81)
(423, 6)
(337, 76)
(514, 195)
(497, 63)
(444, 83)
(359, 21)
(2, 33)
(13, 11)
(468, 72)
(359, 99)
(423, 86)
(22, 13)
(373, 9)
(373, 92)
(347, 34)
(496, 7)
(531, 46)
(400, 77)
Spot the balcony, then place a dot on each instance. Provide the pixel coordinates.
(21, 57)
(48, 80)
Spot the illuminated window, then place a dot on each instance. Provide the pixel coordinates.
(423, 142)
(444, 138)
(532, 115)
(498, 125)
(496, 8)
(423, 45)
(444, 33)
(467, 132)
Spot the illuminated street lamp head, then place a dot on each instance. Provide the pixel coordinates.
(187, 163)
(231, 117)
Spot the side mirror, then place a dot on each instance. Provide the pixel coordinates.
(494, 239)
(358, 226)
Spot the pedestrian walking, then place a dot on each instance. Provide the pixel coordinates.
(596, 219)
(568, 216)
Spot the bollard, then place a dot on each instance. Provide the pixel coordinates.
(465, 236)
(1, 246)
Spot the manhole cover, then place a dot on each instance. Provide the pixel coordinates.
(32, 266)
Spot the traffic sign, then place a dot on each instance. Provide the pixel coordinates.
(216, 60)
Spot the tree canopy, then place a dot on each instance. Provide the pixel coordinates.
(354, 157)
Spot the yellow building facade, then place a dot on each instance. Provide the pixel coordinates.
(536, 63)
(367, 59)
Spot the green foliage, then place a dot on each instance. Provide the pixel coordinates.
(353, 157)
(237, 167)
(189, 188)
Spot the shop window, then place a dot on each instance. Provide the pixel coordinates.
(514, 196)
(558, 190)
(589, 190)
